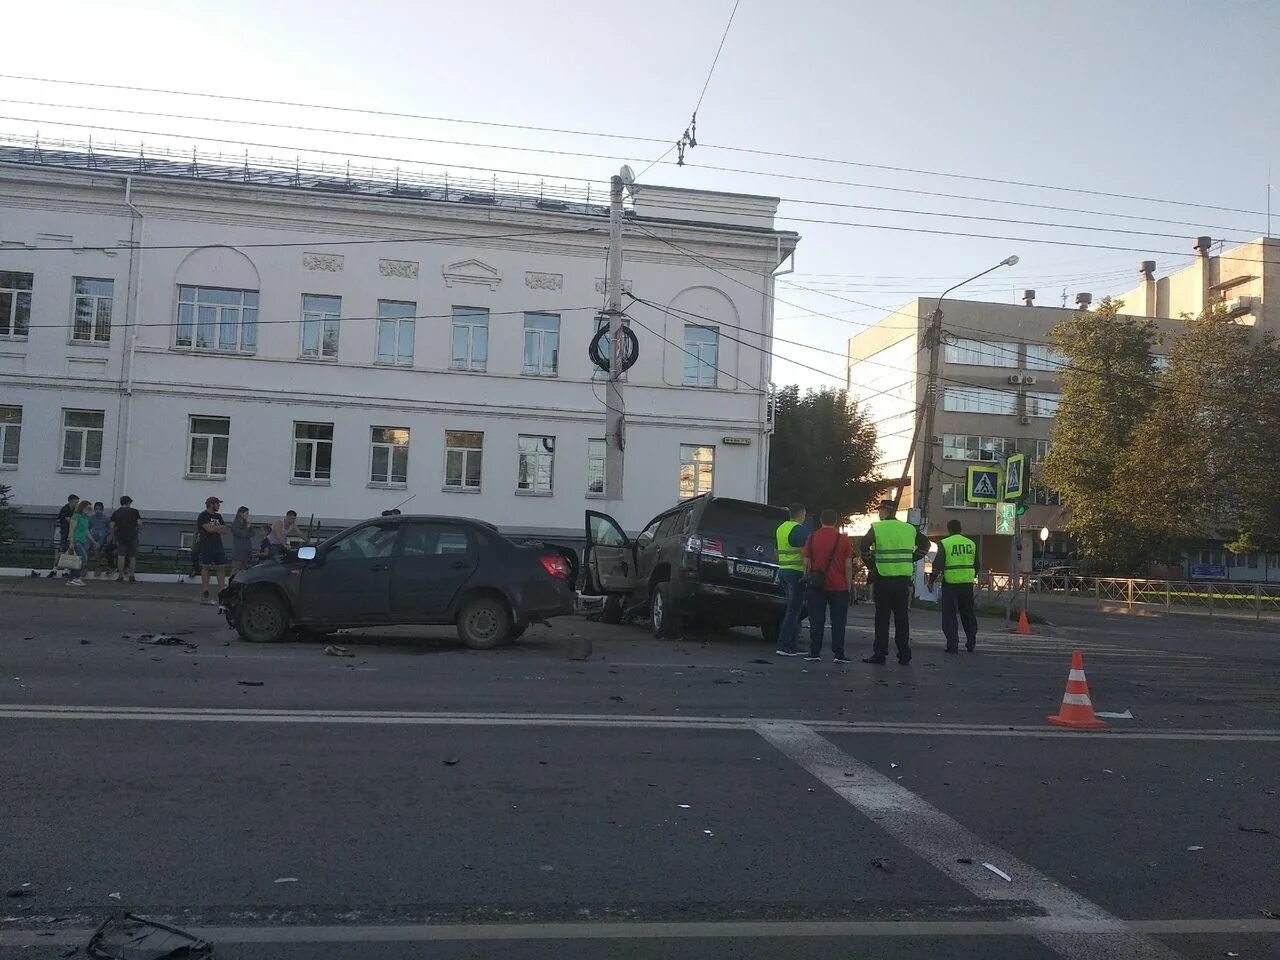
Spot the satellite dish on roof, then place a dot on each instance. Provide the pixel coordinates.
(627, 174)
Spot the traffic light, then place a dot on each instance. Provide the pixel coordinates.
(1022, 508)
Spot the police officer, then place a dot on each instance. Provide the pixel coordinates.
(789, 537)
(957, 563)
(894, 547)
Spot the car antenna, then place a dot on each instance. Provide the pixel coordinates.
(404, 501)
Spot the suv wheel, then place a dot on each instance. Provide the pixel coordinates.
(662, 613)
(613, 609)
(263, 618)
(484, 623)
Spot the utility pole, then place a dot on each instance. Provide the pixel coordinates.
(615, 437)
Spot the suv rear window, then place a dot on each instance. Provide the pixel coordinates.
(758, 520)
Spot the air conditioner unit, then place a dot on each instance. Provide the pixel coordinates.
(1024, 420)
(1028, 379)
(1014, 378)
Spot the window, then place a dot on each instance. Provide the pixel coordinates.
(983, 449)
(979, 400)
(320, 320)
(434, 540)
(1242, 560)
(389, 460)
(82, 440)
(374, 542)
(702, 345)
(1041, 356)
(1034, 450)
(1159, 363)
(1042, 404)
(10, 435)
(15, 304)
(395, 332)
(470, 339)
(463, 450)
(91, 322)
(1045, 498)
(697, 468)
(541, 344)
(1213, 557)
(207, 442)
(953, 498)
(213, 318)
(980, 353)
(596, 453)
(537, 463)
(312, 452)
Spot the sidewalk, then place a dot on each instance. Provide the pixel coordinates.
(159, 587)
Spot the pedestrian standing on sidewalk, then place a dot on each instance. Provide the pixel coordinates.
(64, 528)
(79, 534)
(828, 563)
(790, 537)
(957, 564)
(209, 549)
(894, 547)
(241, 541)
(99, 538)
(126, 527)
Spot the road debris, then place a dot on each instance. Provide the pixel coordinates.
(683, 806)
(708, 833)
(1195, 848)
(617, 699)
(450, 761)
(69, 952)
(333, 650)
(1127, 715)
(1244, 828)
(965, 860)
(22, 891)
(883, 863)
(767, 663)
(250, 683)
(286, 880)
(998, 872)
(114, 896)
(130, 937)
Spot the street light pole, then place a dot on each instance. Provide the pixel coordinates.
(925, 418)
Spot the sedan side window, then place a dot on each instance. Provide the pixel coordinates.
(434, 540)
(368, 543)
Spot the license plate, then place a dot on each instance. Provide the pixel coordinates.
(754, 571)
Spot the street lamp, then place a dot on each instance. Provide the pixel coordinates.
(1044, 540)
(927, 410)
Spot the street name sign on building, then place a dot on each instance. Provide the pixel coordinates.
(1015, 477)
(1006, 517)
(982, 485)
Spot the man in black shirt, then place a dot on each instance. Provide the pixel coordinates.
(209, 549)
(64, 526)
(126, 524)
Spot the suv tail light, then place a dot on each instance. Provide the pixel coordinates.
(707, 546)
(556, 565)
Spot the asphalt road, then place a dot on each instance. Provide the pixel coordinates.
(694, 798)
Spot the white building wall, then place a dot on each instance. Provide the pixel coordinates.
(282, 243)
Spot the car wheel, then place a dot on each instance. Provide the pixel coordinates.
(263, 618)
(613, 609)
(484, 623)
(662, 614)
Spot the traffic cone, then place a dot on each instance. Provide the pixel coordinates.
(1076, 711)
(1024, 627)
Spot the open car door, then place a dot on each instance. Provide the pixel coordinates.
(610, 555)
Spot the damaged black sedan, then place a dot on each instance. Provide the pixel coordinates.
(406, 570)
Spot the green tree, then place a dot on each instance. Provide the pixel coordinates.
(8, 528)
(1107, 390)
(823, 452)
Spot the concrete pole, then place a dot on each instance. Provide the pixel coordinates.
(615, 408)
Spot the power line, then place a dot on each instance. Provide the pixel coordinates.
(706, 83)
(624, 137)
(754, 388)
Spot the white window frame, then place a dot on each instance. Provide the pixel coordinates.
(466, 452)
(536, 465)
(314, 444)
(597, 460)
(988, 449)
(953, 498)
(400, 323)
(98, 333)
(325, 319)
(547, 340)
(210, 440)
(10, 427)
(981, 353)
(706, 371)
(979, 400)
(689, 459)
(1043, 405)
(17, 294)
(241, 316)
(396, 449)
(84, 433)
(466, 321)
(1041, 356)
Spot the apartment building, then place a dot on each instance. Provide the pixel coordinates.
(175, 328)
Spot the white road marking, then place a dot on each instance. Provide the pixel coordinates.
(621, 721)
(940, 841)
(1093, 933)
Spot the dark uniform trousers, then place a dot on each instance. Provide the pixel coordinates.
(893, 598)
(958, 597)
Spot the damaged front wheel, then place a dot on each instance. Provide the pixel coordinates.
(263, 618)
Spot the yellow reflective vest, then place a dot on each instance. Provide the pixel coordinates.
(960, 553)
(789, 557)
(895, 542)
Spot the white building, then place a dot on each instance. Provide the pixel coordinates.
(174, 330)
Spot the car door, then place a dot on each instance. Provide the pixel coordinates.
(349, 581)
(611, 556)
(651, 546)
(435, 560)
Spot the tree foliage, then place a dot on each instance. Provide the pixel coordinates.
(823, 452)
(1107, 391)
(8, 528)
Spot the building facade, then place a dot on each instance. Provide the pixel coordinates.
(341, 347)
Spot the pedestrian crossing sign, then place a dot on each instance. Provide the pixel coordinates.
(1015, 477)
(982, 485)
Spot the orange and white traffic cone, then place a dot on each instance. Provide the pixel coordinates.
(1024, 627)
(1076, 711)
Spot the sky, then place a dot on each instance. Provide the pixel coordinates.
(1176, 101)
